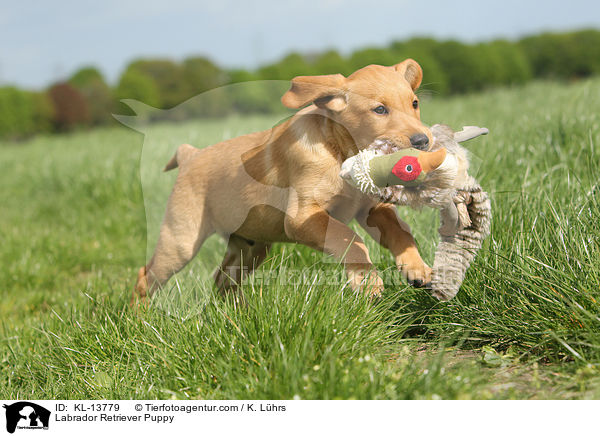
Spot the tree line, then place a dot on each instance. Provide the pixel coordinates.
(450, 67)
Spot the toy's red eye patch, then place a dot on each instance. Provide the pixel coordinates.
(407, 168)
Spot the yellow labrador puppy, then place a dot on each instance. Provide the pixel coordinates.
(283, 184)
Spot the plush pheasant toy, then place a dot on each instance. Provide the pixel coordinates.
(437, 179)
(371, 169)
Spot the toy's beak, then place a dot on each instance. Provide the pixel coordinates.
(431, 160)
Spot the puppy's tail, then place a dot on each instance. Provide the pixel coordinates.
(183, 153)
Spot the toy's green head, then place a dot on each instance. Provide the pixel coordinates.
(401, 168)
(408, 167)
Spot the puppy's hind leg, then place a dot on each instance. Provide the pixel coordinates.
(240, 260)
(181, 236)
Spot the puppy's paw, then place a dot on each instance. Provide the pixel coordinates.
(416, 273)
(366, 280)
(139, 296)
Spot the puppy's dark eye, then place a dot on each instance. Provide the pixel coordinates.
(381, 110)
(415, 104)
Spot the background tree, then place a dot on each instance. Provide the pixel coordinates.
(331, 62)
(550, 55)
(511, 63)
(16, 112)
(461, 65)
(585, 47)
(43, 112)
(367, 56)
(290, 66)
(168, 78)
(136, 85)
(200, 75)
(97, 94)
(70, 107)
(248, 94)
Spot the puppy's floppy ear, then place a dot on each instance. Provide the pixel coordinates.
(412, 72)
(326, 92)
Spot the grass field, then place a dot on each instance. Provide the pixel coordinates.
(526, 323)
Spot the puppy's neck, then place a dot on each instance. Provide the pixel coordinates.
(339, 139)
(318, 132)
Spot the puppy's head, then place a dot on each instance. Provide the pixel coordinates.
(375, 102)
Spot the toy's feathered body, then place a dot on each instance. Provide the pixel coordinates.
(437, 179)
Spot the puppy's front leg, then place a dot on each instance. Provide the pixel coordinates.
(314, 227)
(384, 225)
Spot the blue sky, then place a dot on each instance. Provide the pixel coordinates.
(41, 42)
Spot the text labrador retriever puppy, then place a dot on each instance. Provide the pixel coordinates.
(283, 184)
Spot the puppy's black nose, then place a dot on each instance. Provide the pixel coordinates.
(419, 140)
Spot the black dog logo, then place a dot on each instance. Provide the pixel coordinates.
(28, 415)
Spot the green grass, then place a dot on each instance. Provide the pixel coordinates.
(526, 323)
